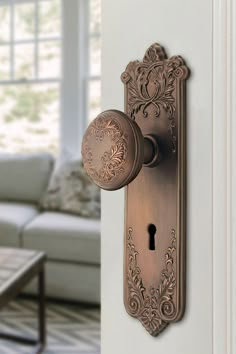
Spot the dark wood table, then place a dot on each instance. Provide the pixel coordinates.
(17, 268)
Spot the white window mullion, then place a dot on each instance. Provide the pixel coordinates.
(83, 64)
(30, 41)
(12, 35)
(36, 45)
(30, 81)
(71, 89)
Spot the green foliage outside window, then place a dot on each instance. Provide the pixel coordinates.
(29, 111)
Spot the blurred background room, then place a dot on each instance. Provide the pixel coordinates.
(50, 89)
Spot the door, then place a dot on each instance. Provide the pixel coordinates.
(203, 32)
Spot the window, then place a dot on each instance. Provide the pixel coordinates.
(50, 73)
(94, 77)
(30, 75)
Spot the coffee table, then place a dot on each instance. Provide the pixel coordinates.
(17, 268)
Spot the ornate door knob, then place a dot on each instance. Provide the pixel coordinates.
(114, 150)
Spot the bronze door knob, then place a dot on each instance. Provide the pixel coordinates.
(114, 150)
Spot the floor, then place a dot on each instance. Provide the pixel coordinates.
(71, 328)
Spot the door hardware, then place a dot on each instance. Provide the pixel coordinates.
(152, 233)
(144, 150)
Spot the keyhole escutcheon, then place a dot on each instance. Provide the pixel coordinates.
(152, 232)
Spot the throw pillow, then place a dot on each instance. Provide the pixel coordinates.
(71, 190)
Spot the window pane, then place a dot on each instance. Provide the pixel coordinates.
(4, 62)
(29, 118)
(49, 18)
(4, 23)
(94, 100)
(95, 56)
(95, 16)
(49, 60)
(24, 21)
(24, 61)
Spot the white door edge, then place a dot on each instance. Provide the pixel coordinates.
(224, 168)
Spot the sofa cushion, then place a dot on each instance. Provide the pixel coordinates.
(13, 217)
(64, 237)
(24, 177)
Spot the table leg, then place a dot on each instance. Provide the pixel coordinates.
(40, 343)
(41, 309)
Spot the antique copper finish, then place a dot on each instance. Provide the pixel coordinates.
(145, 150)
(152, 155)
(114, 150)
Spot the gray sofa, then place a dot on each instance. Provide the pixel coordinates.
(72, 243)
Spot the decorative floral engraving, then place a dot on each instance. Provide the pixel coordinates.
(140, 96)
(154, 308)
(153, 82)
(113, 159)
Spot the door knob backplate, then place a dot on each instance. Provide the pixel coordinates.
(154, 279)
(144, 149)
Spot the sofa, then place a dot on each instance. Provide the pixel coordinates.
(71, 242)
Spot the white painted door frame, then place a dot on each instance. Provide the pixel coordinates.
(224, 176)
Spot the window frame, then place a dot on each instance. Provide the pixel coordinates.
(36, 40)
(75, 76)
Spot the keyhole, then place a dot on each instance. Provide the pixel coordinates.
(152, 231)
